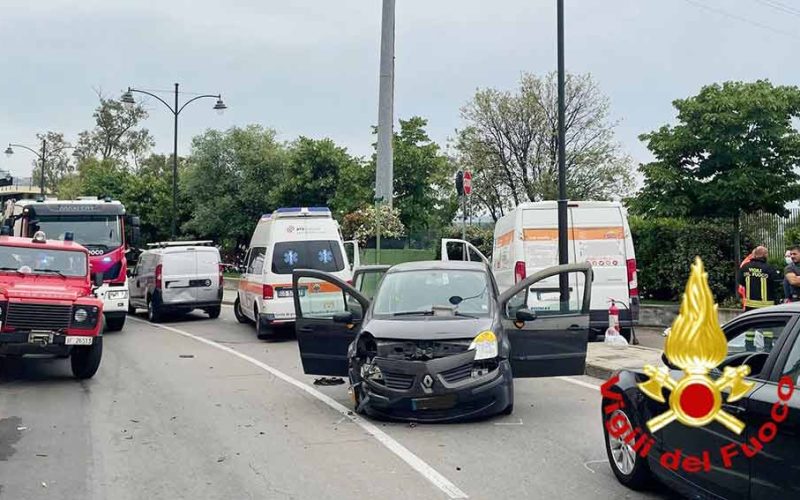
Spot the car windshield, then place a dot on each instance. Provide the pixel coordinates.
(409, 292)
(89, 230)
(42, 261)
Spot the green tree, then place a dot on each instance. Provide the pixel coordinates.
(510, 141)
(315, 171)
(116, 134)
(231, 180)
(59, 162)
(423, 192)
(735, 149)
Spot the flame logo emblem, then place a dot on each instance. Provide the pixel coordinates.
(696, 344)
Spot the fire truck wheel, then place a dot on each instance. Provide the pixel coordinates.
(115, 324)
(86, 360)
(153, 314)
(237, 311)
(213, 312)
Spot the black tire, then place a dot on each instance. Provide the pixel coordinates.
(213, 312)
(153, 313)
(85, 360)
(639, 477)
(115, 324)
(508, 409)
(626, 333)
(131, 308)
(237, 311)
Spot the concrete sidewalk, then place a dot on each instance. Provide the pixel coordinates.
(601, 359)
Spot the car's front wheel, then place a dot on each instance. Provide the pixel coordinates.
(630, 468)
(85, 360)
(237, 311)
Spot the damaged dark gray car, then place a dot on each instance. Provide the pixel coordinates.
(435, 341)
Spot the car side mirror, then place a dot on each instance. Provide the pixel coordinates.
(343, 317)
(525, 314)
(97, 280)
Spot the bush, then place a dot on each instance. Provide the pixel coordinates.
(665, 248)
(362, 224)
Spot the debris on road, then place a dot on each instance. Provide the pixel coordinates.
(328, 381)
(220, 460)
(186, 355)
(41, 455)
(22, 428)
(134, 421)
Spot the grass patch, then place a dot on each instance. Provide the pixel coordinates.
(392, 257)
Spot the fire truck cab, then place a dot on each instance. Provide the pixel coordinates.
(48, 302)
(98, 224)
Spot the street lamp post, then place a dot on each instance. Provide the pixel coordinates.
(127, 98)
(42, 157)
(563, 249)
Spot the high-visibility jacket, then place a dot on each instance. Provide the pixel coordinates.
(760, 282)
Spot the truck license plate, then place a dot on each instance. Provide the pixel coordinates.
(73, 340)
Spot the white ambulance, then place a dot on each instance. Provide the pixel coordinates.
(288, 239)
(526, 241)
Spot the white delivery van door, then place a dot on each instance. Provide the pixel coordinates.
(178, 269)
(599, 239)
(206, 282)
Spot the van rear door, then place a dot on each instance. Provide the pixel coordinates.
(206, 281)
(178, 269)
(599, 239)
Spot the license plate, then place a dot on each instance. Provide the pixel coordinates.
(287, 292)
(435, 403)
(73, 340)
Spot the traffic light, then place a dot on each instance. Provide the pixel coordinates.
(460, 183)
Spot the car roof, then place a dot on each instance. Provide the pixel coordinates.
(422, 265)
(791, 307)
(15, 241)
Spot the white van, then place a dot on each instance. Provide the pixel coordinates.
(526, 241)
(288, 239)
(176, 277)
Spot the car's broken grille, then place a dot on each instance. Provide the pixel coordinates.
(458, 373)
(398, 381)
(38, 316)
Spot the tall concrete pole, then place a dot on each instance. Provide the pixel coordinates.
(384, 173)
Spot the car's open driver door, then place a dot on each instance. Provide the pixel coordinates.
(548, 333)
(328, 312)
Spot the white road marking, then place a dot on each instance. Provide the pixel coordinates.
(579, 382)
(416, 463)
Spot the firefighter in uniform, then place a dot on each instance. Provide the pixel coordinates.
(760, 280)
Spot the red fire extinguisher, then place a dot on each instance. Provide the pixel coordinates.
(613, 316)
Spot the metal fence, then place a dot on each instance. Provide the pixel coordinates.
(769, 229)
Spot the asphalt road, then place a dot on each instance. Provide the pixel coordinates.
(171, 416)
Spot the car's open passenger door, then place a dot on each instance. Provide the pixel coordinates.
(453, 249)
(355, 261)
(328, 313)
(366, 279)
(549, 332)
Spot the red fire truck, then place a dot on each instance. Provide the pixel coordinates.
(98, 225)
(48, 303)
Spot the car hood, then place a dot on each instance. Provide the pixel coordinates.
(427, 327)
(27, 291)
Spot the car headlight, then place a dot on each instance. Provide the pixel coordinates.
(80, 315)
(485, 345)
(117, 295)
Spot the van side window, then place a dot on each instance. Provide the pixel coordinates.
(256, 263)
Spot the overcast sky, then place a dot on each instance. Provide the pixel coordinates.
(310, 67)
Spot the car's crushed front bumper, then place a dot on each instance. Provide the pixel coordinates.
(439, 390)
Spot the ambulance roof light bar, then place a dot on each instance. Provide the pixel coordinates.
(302, 212)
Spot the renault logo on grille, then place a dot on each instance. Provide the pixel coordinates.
(427, 381)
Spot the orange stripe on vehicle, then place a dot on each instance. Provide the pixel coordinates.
(505, 239)
(579, 233)
(599, 233)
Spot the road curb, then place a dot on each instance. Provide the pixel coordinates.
(602, 360)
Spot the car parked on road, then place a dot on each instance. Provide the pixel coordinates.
(177, 277)
(768, 341)
(438, 342)
(48, 302)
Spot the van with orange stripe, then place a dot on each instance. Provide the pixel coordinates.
(526, 241)
(285, 240)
